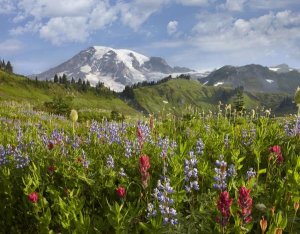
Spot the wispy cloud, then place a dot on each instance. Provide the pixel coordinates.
(10, 46)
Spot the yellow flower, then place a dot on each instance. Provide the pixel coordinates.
(297, 96)
(73, 116)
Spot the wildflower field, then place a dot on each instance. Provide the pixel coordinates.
(204, 173)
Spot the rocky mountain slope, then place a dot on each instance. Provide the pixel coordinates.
(116, 68)
(255, 78)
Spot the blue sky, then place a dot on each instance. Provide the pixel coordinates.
(200, 34)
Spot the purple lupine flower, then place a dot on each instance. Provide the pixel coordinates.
(163, 143)
(297, 126)
(146, 131)
(151, 211)
(20, 160)
(122, 172)
(85, 162)
(231, 171)
(128, 148)
(199, 147)
(250, 174)
(191, 173)
(162, 196)
(221, 174)
(290, 131)
(110, 163)
(3, 156)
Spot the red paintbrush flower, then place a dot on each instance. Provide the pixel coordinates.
(50, 145)
(245, 203)
(121, 192)
(33, 197)
(144, 166)
(277, 151)
(224, 204)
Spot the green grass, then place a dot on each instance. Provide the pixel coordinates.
(21, 89)
(181, 93)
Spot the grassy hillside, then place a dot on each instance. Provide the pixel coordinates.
(177, 94)
(18, 88)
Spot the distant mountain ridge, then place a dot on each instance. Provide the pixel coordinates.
(255, 78)
(116, 68)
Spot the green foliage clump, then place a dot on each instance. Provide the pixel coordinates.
(59, 105)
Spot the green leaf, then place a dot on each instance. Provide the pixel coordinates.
(262, 171)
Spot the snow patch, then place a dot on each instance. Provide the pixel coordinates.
(86, 69)
(205, 82)
(270, 81)
(275, 69)
(218, 83)
(107, 80)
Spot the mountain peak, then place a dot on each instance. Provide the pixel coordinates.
(116, 68)
(254, 78)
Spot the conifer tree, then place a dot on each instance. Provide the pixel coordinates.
(239, 99)
(55, 78)
(64, 79)
(9, 67)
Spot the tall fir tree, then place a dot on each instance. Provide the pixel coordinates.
(55, 78)
(9, 67)
(64, 79)
(239, 99)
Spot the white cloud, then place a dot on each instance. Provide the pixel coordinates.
(194, 2)
(65, 29)
(7, 7)
(48, 17)
(31, 26)
(135, 13)
(102, 15)
(234, 5)
(272, 4)
(10, 46)
(225, 33)
(223, 39)
(48, 8)
(172, 27)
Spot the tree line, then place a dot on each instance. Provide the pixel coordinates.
(82, 85)
(128, 91)
(6, 66)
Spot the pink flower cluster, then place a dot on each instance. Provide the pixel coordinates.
(33, 197)
(121, 192)
(245, 203)
(144, 166)
(277, 151)
(224, 204)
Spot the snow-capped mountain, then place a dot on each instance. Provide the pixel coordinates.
(116, 68)
(282, 68)
(254, 78)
